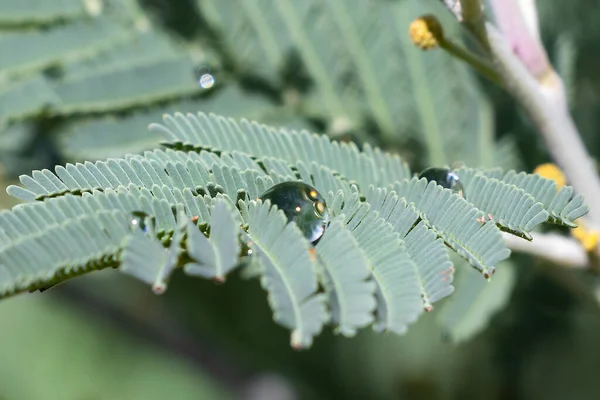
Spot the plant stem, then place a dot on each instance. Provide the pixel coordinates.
(484, 67)
(474, 20)
(553, 247)
(547, 111)
(522, 37)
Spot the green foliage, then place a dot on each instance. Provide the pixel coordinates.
(394, 226)
(218, 254)
(471, 307)
(38, 11)
(85, 77)
(83, 74)
(344, 275)
(358, 78)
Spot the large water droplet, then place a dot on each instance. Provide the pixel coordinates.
(302, 204)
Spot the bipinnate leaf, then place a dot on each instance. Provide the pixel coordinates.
(288, 272)
(214, 257)
(346, 278)
(146, 258)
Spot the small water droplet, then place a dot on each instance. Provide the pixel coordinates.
(206, 81)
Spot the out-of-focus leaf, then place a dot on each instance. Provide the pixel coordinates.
(138, 49)
(31, 50)
(25, 98)
(14, 141)
(363, 65)
(128, 86)
(20, 12)
(112, 136)
(506, 154)
(475, 301)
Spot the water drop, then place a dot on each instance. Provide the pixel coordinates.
(302, 204)
(206, 81)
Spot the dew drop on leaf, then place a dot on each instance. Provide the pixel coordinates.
(206, 81)
(444, 177)
(205, 78)
(302, 204)
(139, 220)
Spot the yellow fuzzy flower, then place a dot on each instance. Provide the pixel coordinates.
(588, 238)
(551, 171)
(426, 32)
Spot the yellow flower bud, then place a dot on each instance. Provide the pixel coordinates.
(426, 32)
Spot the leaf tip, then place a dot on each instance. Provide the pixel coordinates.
(488, 272)
(159, 288)
(297, 341)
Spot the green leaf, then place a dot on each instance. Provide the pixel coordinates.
(98, 138)
(33, 50)
(216, 256)
(132, 85)
(21, 12)
(345, 278)
(26, 98)
(475, 302)
(457, 222)
(395, 274)
(434, 269)
(288, 273)
(88, 242)
(372, 61)
(511, 208)
(139, 48)
(201, 131)
(146, 258)
(562, 205)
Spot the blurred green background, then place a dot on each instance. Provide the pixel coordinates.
(82, 79)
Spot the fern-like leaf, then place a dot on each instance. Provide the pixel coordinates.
(87, 242)
(217, 255)
(146, 258)
(510, 207)
(33, 50)
(468, 312)
(289, 273)
(435, 271)
(562, 205)
(196, 132)
(358, 67)
(345, 278)
(457, 222)
(22, 12)
(395, 274)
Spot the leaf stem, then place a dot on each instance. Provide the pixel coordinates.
(546, 109)
(474, 19)
(482, 66)
(553, 247)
